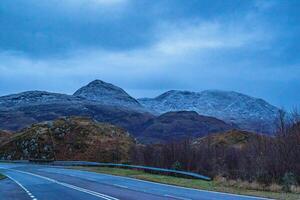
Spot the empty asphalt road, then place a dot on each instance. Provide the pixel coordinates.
(39, 182)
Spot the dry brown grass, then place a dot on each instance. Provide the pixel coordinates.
(218, 184)
(274, 188)
(295, 189)
(239, 183)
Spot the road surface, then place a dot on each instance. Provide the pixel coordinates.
(41, 182)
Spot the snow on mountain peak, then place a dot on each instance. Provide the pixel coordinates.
(247, 112)
(34, 97)
(107, 93)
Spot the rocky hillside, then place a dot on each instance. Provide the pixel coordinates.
(181, 125)
(247, 112)
(233, 139)
(4, 135)
(74, 138)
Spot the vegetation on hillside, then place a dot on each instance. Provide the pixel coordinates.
(4, 135)
(235, 158)
(235, 155)
(2, 176)
(215, 185)
(181, 125)
(74, 138)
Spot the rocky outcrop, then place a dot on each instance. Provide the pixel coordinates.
(73, 138)
(230, 139)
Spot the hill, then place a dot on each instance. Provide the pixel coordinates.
(4, 135)
(181, 125)
(74, 138)
(229, 139)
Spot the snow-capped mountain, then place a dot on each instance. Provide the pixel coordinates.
(34, 98)
(107, 94)
(98, 100)
(106, 102)
(247, 112)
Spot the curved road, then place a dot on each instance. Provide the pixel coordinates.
(39, 182)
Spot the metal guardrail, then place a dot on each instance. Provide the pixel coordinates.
(153, 169)
(137, 167)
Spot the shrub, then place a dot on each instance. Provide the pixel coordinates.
(177, 166)
(288, 181)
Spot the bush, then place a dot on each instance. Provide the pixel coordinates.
(177, 166)
(288, 181)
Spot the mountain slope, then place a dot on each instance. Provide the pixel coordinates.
(108, 103)
(98, 100)
(73, 138)
(35, 98)
(247, 112)
(229, 139)
(4, 135)
(16, 118)
(181, 125)
(107, 94)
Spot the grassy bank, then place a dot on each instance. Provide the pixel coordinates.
(2, 176)
(190, 183)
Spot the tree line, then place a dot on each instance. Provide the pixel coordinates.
(264, 159)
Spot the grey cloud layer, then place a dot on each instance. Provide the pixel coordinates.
(151, 46)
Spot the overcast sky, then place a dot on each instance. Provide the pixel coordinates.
(148, 46)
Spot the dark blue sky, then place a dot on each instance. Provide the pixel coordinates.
(147, 47)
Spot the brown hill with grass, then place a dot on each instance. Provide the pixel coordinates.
(73, 138)
(233, 138)
(4, 135)
(181, 125)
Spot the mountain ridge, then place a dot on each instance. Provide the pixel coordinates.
(107, 102)
(249, 113)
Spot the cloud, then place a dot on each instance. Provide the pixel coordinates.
(195, 36)
(104, 4)
(192, 46)
(148, 48)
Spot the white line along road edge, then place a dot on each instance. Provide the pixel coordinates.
(106, 197)
(27, 191)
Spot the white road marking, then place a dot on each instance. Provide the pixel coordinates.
(185, 188)
(176, 197)
(106, 197)
(18, 183)
(121, 186)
